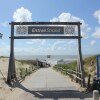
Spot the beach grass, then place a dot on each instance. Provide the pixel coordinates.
(89, 64)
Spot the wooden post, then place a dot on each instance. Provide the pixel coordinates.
(81, 69)
(89, 78)
(26, 72)
(32, 68)
(29, 70)
(77, 69)
(11, 67)
(21, 73)
(38, 64)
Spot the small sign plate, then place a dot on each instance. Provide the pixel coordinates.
(21, 29)
(69, 29)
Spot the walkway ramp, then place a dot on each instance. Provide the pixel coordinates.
(48, 79)
(46, 84)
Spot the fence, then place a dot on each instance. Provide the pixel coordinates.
(23, 72)
(73, 74)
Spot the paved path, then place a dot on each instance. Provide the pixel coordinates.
(46, 84)
(48, 79)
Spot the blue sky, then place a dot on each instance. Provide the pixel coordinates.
(85, 11)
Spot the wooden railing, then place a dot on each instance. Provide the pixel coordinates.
(27, 71)
(21, 74)
(73, 74)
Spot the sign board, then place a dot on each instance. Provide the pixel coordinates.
(45, 29)
(98, 65)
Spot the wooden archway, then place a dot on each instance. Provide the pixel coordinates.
(11, 67)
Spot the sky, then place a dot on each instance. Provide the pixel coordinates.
(85, 11)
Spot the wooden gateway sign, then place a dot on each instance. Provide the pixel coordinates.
(45, 29)
(31, 28)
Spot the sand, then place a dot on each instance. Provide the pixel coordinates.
(4, 62)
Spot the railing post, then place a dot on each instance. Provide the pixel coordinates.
(32, 68)
(29, 70)
(77, 73)
(21, 74)
(26, 71)
(88, 84)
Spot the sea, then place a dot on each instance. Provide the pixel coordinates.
(52, 59)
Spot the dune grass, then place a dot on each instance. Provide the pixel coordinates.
(89, 65)
(25, 67)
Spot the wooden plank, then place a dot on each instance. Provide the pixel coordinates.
(74, 71)
(45, 23)
(78, 77)
(46, 37)
(88, 84)
(75, 76)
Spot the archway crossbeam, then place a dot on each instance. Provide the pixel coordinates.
(46, 37)
(45, 23)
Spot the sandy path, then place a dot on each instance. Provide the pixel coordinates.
(45, 84)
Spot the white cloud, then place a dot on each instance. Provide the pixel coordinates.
(4, 50)
(97, 15)
(56, 43)
(37, 41)
(96, 34)
(23, 50)
(29, 42)
(22, 15)
(84, 35)
(54, 19)
(34, 41)
(33, 51)
(71, 42)
(67, 17)
(4, 24)
(58, 47)
(43, 42)
(92, 42)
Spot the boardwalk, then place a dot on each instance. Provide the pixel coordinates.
(46, 84)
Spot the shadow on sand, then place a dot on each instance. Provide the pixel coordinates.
(54, 94)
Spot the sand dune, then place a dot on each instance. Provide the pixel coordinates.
(4, 62)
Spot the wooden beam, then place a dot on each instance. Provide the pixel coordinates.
(46, 37)
(45, 23)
